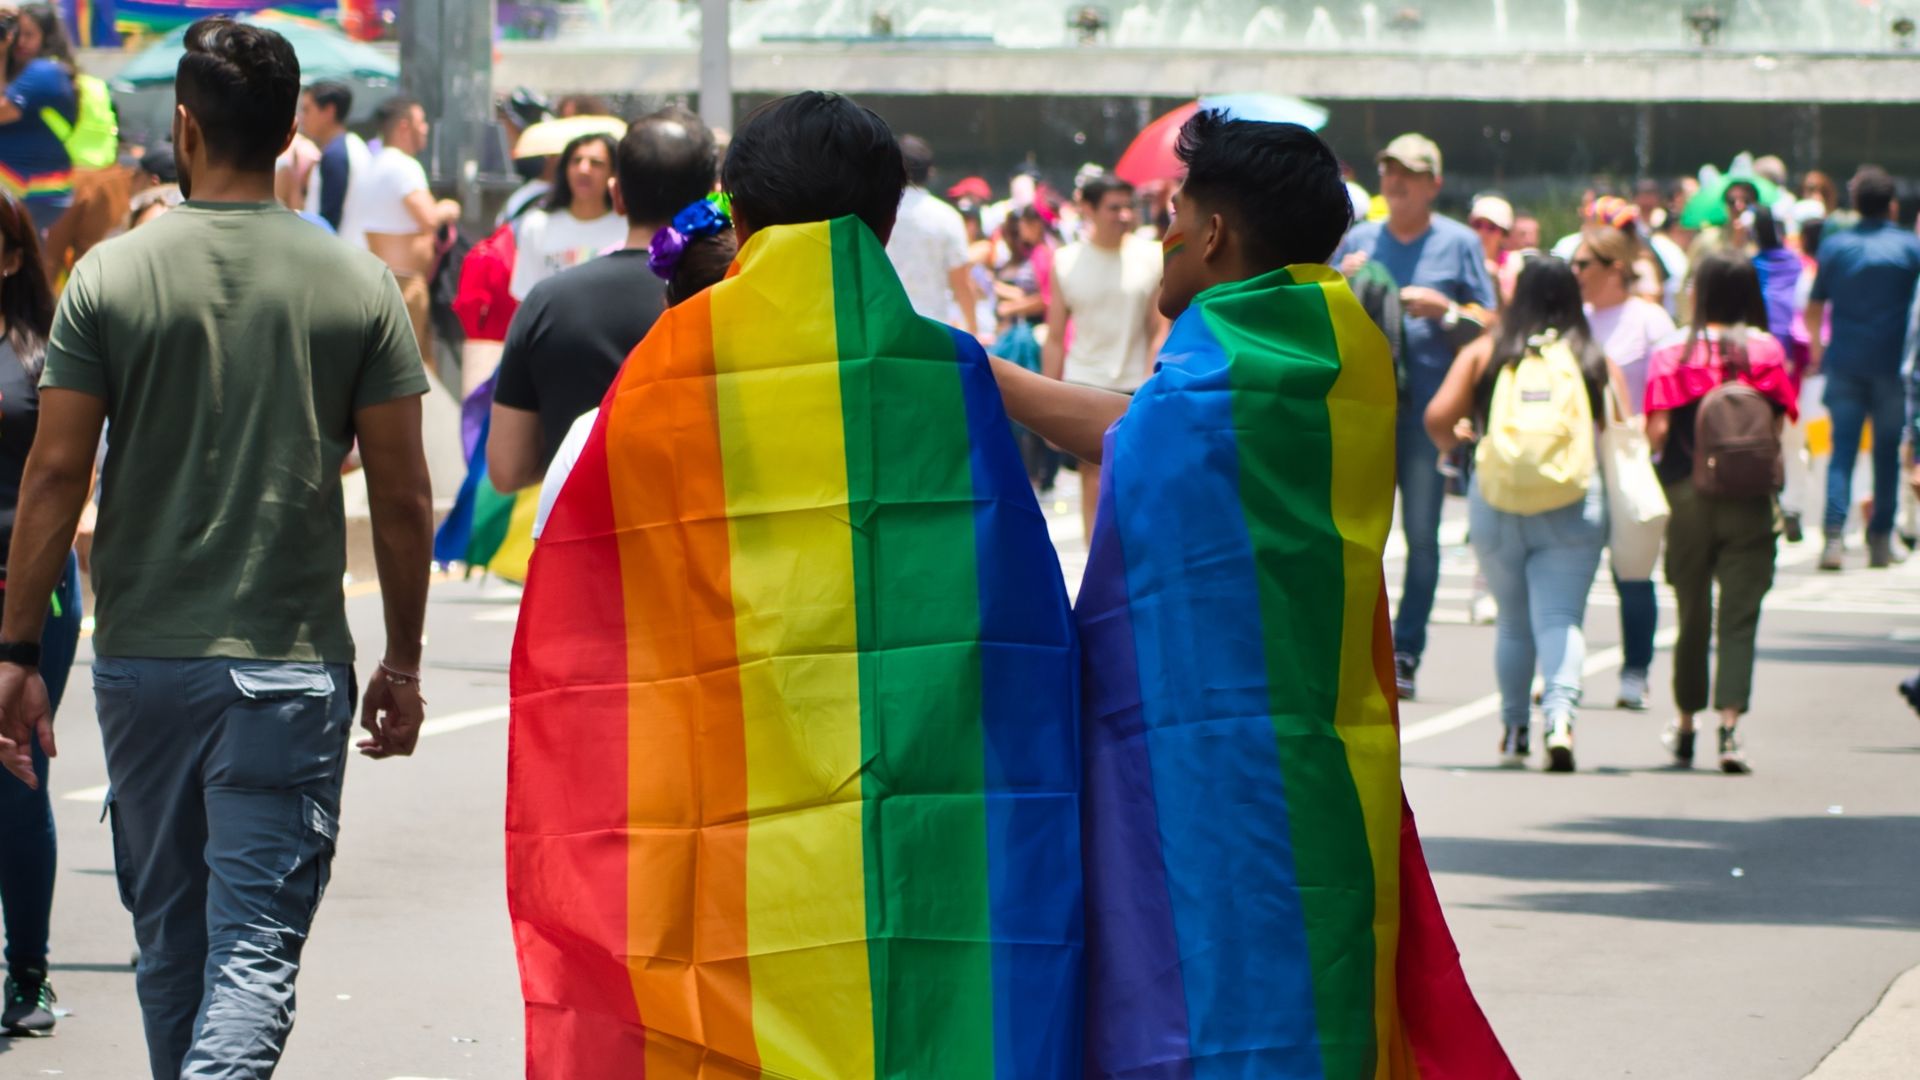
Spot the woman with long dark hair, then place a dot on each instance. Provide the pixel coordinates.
(1539, 563)
(1714, 538)
(576, 223)
(37, 169)
(26, 815)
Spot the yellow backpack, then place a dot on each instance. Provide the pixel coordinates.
(1537, 453)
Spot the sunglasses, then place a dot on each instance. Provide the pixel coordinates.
(1485, 226)
(1582, 264)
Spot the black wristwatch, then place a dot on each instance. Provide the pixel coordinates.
(24, 653)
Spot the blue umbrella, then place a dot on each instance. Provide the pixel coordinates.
(324, 52)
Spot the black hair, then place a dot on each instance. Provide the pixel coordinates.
(1100, 185)
(561, 197)
(53, 37)
(1873, 191)
(338, 96)
(1279, 185)
(919, 158)
(241, 83)
(392, 111)
(666, 161)
(815, 156)
(1753, 191)
(1766, 231)
(1810, 236)
(1546, 297)
(702, 264)
(26, 296)
(1726, 290)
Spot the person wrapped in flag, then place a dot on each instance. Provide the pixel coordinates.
(1257, 901)
(793, 780)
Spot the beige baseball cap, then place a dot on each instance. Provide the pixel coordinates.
(1417, 152)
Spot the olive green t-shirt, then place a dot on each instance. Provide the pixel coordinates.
(233, 343)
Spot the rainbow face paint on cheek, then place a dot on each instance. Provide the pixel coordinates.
(1171, 245)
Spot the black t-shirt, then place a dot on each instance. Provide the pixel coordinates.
(19, 418)
(569, 338)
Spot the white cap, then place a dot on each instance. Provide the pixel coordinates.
(1808, 211)
(1492, 208)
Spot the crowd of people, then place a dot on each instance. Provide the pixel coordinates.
(1647, 376)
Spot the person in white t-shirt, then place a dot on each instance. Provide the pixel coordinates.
(575, 223)
(399, 218)
(929, 246)
(1103, 323)
(322, 117)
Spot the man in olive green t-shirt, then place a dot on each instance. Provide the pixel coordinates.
(237, 352)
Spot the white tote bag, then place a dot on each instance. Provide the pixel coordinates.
(1636, 503)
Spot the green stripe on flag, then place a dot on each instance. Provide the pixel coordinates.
(910, 494)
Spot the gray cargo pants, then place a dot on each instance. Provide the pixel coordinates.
(225, 801)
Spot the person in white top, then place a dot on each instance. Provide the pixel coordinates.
(399, 218)
(1628, 326)
(575, 223)
(929, 246)
(1105, 293)
(322, 117)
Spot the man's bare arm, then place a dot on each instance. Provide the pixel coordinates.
(400, 499)
(1073, 418)
(1053, 355)
(960, 280)
(514, 448)
(53, 492)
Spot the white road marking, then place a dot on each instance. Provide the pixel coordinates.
(439, 725)
(1605, 660)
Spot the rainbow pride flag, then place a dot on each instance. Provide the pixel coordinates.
(486, 529)
(793, 780)
(1257, 902)
(151, 17)
(90, 23)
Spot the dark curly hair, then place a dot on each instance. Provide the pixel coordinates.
(1278, 183)
(241, 82)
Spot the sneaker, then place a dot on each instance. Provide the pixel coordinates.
(1482, 610)
(1833, 556)
(1513, 748)
(29, 1003)
(1404, 667)
(1732, 761)
(1880, 553)
(1791, 529)
(1679, 744)
(1633, 690)
(1910, 541)
(1559, 743)
(1911, 691)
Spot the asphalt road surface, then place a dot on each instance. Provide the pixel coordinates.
(1624, 921)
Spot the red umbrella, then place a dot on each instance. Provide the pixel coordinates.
(1150, 156)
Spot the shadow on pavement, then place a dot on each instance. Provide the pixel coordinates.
(1830, 870)
(1851, 650)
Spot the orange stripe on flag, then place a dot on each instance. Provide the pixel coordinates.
(692, 988)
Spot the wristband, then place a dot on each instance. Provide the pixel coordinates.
(395, 675)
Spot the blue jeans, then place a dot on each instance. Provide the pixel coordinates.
(1422, 494)
(28, 853)
(226, 782)
(1539, 568)
(1639, 621)
(1853, 400)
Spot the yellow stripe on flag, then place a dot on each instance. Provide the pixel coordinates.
(1359, 407)
(783, 447)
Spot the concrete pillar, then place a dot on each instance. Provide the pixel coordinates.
(446, 62)
(716, 65)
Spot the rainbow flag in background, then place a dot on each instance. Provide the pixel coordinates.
(137, 17)
(793, 780)
(90, 23)
(1257, 902)
(486, 529)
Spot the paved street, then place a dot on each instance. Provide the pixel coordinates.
(1627, 921)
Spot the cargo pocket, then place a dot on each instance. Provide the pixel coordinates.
(318, 837)
(265, 682)
(122, 857)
